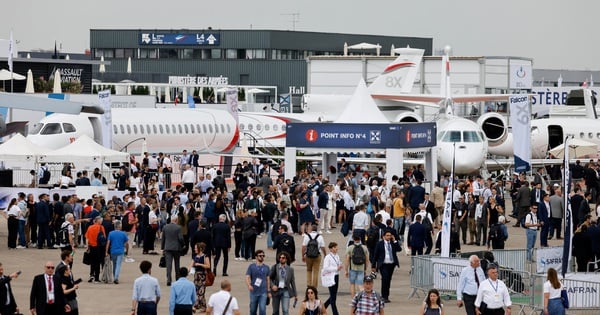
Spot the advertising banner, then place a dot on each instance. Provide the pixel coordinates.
(521, 129)
(549, 257)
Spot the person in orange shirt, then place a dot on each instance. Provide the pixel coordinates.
(96, 246)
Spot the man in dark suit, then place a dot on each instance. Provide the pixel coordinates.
(430, 208)
(523, 201)
(416, 236)
(385, 261)
(284, 242)
(544, 216)
(8, 305)
(221, 235)
(537, 194)
(46, 295)
(172, 239)
(43, 216)
(202, 236)
(416, 195)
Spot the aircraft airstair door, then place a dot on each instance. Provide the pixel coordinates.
(555, 136)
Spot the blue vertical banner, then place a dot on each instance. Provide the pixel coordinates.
(520, 118)
(567, 245)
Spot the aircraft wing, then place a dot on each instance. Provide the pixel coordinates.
(23, 101)
(466, 98)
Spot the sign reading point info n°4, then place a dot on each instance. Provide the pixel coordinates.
(376, 136)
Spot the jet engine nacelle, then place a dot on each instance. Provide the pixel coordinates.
(407, 117)
(494, 127)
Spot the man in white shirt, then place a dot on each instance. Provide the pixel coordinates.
(167, 170)
(188, 177)
(221, 300)
(492, 295)
(360, 223)
(531, 226)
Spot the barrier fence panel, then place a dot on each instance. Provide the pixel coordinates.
(425, 275)
(421, 275)
(583, 295)
(511, 258)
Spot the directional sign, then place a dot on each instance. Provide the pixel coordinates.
(367, 136)
(188, 39)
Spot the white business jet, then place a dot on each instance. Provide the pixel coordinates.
(460, 140)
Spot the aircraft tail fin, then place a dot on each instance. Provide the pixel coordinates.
(445, 84)
(399, 76)
(589, 101)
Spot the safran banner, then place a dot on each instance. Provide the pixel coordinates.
(549, 257)
(447, 273)
(520, 118)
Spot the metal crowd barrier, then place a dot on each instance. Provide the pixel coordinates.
(584, 296)
(511, 258)
(421, 275)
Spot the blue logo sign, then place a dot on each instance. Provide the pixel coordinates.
(189, 39)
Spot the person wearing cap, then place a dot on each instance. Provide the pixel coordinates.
(367, 301)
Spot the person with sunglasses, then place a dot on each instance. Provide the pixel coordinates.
(283, 284)
(258, 282)
(46, 295)
(311, 304)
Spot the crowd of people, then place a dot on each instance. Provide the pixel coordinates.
(203, 214)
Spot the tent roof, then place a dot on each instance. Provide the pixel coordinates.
(19, 147)
(362, 108)
(85, 149)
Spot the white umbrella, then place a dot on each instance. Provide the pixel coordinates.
(167, 94)
(129, 65)
(29, 85)
(102, 67)
(5, 75)
(363, 45)
(57, 88)
(577, 148)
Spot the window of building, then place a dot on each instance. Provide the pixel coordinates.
(120, 53)
(215, 54)
(106, 53)
(167, 53)
(187, 53)
(231, 54)
(148, 53)
(256, 54)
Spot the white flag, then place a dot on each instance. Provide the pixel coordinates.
(10, 53)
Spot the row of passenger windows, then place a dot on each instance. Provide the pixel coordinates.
(170, 128)
(260, 127)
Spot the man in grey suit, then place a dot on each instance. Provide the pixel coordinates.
(283, 284)
(557, 206)
(172, 239)
(523, 201)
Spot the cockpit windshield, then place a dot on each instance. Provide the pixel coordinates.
(471, 136)
(451, 136)
(36, 129)
(51, 129)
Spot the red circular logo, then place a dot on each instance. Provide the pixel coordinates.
(311, 135)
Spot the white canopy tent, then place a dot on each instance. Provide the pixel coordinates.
(362, 108)
(85, 149)
(20, 148)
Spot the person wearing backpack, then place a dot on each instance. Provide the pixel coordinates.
(531, 225)
(313, 246)
(356, 264)
(498, 234)
(95, 236)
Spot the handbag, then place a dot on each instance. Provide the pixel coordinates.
(87, 258)
(162, 263)
(210, 278)
(564, 297)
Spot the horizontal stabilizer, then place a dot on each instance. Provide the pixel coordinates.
(28, 102)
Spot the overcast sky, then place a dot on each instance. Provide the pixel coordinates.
(556, 34)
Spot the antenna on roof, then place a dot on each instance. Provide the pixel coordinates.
(295, 19)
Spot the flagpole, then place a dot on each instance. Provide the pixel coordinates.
(566, 259)
(447, 218)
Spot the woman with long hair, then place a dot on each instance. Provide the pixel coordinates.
(200, 263)
(432, 304)
(12, 216)
(311, 304)
(552, 301)
(69, 288)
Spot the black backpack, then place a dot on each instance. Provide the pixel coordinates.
(495, 233)
(126, 226)
(312, 248)
(45, 176)
(358, 255)
(62, 237)
(427, 223)
(373, 235)
(101, 239)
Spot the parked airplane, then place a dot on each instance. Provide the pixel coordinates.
(453, 131)
(546, 133)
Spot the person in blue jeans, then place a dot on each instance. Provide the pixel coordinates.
(257, 281)
(531, 227)
(117, 245)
